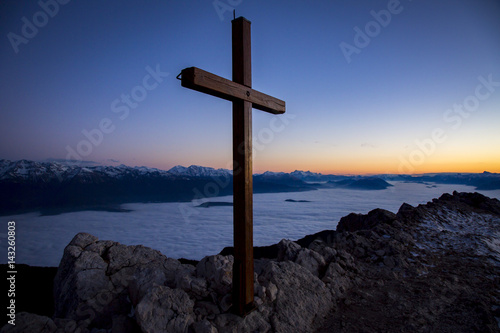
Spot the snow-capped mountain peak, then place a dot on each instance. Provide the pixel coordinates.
(272, 173)
(44, 172)
(198, 171)
(304, 174)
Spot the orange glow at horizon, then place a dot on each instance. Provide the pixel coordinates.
(454, 158)
(381, 166)
(354, 166)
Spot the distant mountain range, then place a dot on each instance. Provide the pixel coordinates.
(481, 181)
(36, 172)
(369, 183)
(52, 187)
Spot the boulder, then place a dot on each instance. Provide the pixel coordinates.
(99, 280)
(163, 309)
(218, 272)
(311, 260)
(288, 250)
(301, 298)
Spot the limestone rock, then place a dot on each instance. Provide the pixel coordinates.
(164, 309)
(29, 322)
(338, 280)
(301, 297)
(288, 250)
(187, 280)
(311, 260)
(143, 280)
(218, 271)
(204, 326)
(98, 280)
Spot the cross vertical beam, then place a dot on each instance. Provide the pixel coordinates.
(244, 98)
(242, 172)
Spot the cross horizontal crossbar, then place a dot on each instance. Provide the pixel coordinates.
(202, 81)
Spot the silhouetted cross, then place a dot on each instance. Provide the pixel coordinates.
(239, 91)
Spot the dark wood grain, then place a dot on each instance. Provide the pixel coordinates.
(208, 83)
(242, 172)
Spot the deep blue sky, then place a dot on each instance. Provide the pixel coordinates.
(375, 113)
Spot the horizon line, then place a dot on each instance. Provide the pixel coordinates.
(83, 163)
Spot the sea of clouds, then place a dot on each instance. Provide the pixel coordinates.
(182, 230)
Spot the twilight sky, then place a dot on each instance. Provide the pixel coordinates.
(370, 86)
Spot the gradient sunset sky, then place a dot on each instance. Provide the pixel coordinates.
(370, 86)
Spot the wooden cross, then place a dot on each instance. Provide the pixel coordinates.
(239, 91)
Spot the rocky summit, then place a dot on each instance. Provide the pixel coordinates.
(431, 268)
